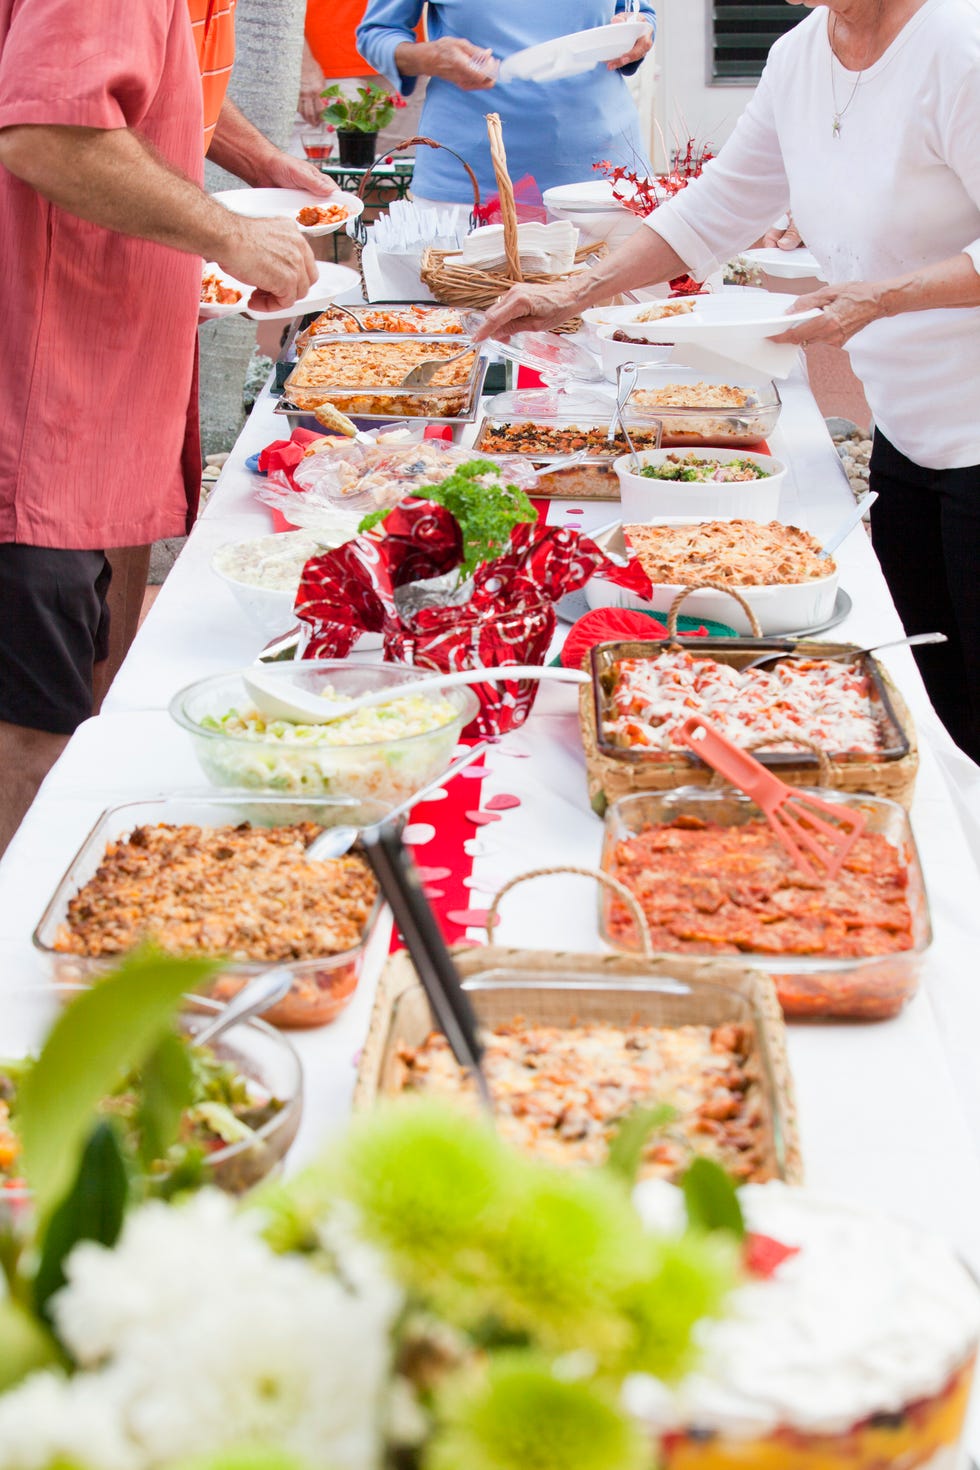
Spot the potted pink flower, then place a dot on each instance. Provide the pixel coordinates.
(358, 120)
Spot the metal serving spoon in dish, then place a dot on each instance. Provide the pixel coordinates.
(336, 841)
(423, 373)
(912, 640)
(257, 996)
(302, 707)
(847, 524)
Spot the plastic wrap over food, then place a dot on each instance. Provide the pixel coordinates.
(363, 477)
(386, 583)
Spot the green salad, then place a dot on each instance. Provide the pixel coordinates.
(693, 467)
(226, 1108)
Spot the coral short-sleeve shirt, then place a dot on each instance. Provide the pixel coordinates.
(99, 328)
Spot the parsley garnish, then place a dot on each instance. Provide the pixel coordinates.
(485, 511)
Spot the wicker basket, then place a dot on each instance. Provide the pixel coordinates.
(610, 778)
(614, 994)
(457, 285)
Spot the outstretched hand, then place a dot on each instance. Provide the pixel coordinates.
(844, 310)
(527, 308)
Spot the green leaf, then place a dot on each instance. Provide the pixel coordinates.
(25, 1345)
(711, 1199)
(167, 1078)
(93, 1209)
(631, 1138)
(95, 1041)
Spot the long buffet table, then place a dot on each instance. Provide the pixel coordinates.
(889, 1111)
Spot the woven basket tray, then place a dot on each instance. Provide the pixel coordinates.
(564, 989)
(455, 285)
(610, 778)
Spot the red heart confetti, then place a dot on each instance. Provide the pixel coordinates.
(433, 875)
(416, 834)
(480, 819)
(503, 803)
(468, 918)
(474, 773)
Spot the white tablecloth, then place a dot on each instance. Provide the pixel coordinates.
(889, 1112)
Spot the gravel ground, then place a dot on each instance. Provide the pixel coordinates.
(854, 448)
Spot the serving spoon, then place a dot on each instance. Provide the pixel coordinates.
(254, 998)
(911, 640)
(301, 707)
(847, 524)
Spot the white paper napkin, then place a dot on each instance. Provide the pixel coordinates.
(720, 351)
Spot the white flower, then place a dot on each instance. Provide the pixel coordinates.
(50, 1418)
(199, 1337)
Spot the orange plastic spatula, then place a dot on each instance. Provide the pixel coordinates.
(798, 819)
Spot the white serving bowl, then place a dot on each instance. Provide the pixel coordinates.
(646, 499)
(612, 354)
(787, 607)
(269, 607)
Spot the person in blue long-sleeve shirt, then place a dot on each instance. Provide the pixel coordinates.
(554, 131)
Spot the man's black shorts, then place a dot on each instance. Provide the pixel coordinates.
(54, 625)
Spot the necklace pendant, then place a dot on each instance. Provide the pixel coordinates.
(836, 132)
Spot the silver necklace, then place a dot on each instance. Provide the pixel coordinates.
(840, 111)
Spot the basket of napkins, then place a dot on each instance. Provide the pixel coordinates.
(492, 258)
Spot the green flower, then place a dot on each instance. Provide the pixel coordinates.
(519, 1416)
(568, 1245)
(686, 1279)
(245, 1457)
(431, 1188)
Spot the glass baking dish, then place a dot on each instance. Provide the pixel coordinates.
(692, 423)
(570, 990)
(894, 742)
(322, 985)
(360, 390)
(564, 432)
(810, 987)
(395, 318)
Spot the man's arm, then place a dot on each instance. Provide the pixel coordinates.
(239, 147)
(111, 177)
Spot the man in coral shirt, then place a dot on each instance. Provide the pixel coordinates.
(103, 223)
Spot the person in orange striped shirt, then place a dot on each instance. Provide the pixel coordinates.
(230, 140)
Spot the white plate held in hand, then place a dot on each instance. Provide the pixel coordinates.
(286, 204)
(334, 281)
(567, 56)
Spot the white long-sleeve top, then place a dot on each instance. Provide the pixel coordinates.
(897, 189)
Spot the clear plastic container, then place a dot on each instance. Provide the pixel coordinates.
(538, 425)
(378, 771)
(322, 984)
(810, 987)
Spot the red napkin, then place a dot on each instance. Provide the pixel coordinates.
(508, 617)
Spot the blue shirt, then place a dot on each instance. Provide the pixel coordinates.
(555, 131)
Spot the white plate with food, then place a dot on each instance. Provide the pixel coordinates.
(720, 317)
(567, 56)
(333, 281)
(785, 265)
(291, 204)
(221, 294)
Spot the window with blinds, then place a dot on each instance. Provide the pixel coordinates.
(741, 35)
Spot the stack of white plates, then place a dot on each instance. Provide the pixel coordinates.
(593, 208)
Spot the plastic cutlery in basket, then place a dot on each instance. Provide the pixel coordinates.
(803, 823)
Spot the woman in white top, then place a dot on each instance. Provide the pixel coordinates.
(866, 124)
